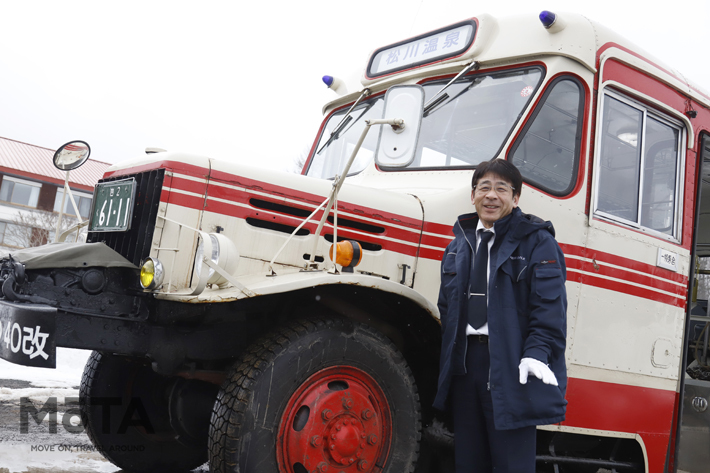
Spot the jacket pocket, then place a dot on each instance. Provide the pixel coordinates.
(515, 269)
(549, 283)
(448, 266)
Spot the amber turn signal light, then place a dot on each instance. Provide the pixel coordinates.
(349, 254)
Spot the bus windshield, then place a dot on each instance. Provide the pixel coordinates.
(469, 127)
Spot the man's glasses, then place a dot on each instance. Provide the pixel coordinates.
(500, 188)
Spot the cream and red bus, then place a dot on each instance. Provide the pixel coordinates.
(222, 331)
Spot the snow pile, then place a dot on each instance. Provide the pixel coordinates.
(54, 458)
(70, 366)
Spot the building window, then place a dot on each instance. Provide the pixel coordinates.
(547, 153)
(12, 235)
(639, 166)
(83, 201)
(17, 191)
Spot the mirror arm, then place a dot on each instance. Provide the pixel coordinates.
(340, 179)
(61, 209)
(74, 228)
(73, 202)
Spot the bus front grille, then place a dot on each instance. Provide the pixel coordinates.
(134, 244)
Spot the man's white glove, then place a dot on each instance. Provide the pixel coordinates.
(537, 368)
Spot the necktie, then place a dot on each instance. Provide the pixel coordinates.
(478, 284)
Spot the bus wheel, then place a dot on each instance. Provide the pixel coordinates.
(126, 408)
(321, 395)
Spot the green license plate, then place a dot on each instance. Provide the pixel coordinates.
(112, 207)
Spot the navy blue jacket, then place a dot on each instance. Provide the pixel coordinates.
(527, 317)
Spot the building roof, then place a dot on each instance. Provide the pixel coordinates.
(35, 162)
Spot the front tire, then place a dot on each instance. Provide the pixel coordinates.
(127, 418)
(324, 394)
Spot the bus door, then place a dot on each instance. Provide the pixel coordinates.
(628, 332)
(693, 449)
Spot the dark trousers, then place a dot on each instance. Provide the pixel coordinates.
(478, 446)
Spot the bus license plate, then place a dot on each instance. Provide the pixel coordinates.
(112, 208)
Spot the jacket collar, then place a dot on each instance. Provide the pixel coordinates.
(519, 223)
(512, 229)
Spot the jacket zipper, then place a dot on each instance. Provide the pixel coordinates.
(465, 349)
(488, 385)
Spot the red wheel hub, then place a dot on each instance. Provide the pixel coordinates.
(337, 420)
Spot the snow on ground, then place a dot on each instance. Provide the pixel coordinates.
(53, 458)
(70, 366)
(40, 450)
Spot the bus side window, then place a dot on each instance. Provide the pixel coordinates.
(547, 152)
(638, 166)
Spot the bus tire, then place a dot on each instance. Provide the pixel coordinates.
(322, 394)
(138, 437)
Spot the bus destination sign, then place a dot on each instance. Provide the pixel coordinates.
(425, 49)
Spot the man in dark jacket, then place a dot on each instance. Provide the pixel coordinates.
(503, 317)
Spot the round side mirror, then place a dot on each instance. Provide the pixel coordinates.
(71, 155)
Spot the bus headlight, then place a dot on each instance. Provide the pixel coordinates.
(224, 254)
(201, 252)
(151, 273)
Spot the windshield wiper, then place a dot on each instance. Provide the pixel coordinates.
(438, 98)
(347, 118)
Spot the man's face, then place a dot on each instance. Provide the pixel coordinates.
(493, 198)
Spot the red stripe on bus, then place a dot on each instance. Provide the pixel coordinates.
(187, 185)
(431, 240)
(623, 408)
(183, 200)
(440, 228)
(601, 256)
(346, 221)
(184, 168)
(436, 254)
(224, 208)
(602, 269)
(617, 286)
(436, 241)
(279, 191)
(429, 253)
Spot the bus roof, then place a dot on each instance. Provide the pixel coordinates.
(517, 39)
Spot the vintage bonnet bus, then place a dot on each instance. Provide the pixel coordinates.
(223, 332)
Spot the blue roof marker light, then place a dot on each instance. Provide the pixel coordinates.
(336, 85)
(547, 18)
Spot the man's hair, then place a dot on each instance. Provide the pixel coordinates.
(504, 169)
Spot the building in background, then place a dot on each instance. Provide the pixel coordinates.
(31, 193)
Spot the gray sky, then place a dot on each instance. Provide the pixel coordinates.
(242, 81)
